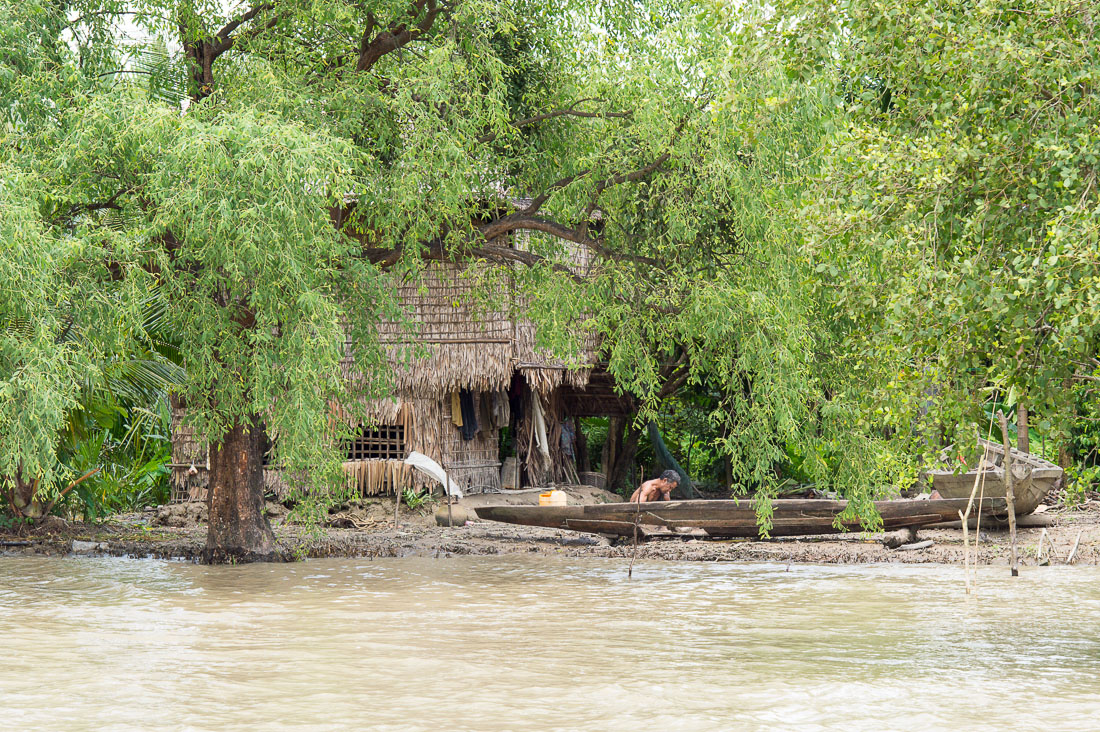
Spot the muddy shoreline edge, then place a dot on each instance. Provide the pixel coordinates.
(369, 533)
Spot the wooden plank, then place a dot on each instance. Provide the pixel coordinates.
(796, 527)
(551, 516)
(626, 528)
(593, 526)
(795, 521)
(732, 518)
(678, 511)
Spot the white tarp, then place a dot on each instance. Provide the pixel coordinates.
(432, 469)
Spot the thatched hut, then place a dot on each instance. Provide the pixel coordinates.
(463, 371)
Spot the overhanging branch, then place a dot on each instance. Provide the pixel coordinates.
(570, 111)
(422, 16)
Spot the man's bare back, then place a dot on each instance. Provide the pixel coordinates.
(658, 489)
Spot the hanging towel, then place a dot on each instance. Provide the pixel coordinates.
(456, 409)
(540, 425)
(500, 409)
(469, 414)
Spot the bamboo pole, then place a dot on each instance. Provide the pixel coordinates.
(442, 458)
(634, 550)
(965, 516)
(1010, 497)
(1073, 552)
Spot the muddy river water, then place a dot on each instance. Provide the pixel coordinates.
(537, 643)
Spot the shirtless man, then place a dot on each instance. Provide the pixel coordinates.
(658, 489)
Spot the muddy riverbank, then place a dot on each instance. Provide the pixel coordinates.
(368, 530)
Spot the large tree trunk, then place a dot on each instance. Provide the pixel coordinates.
(624, 457)
(24, 496)
(238, 531)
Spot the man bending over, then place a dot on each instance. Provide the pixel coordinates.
(658, 489)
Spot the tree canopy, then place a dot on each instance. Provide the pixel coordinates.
(845, 220)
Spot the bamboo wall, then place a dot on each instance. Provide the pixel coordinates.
(455, 341)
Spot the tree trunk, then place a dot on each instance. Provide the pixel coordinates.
(614, 436)
(23, 498)
(584, 463)
(1065, 455)
(1023, 439)
(238, 531)
(624, 457)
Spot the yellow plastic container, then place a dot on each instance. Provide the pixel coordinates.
(553, 498)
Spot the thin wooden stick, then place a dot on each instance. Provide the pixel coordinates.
(72, 485)
(1073, 552)
(442, 460)
(979, 478)
(634, 552)
(1010, 497)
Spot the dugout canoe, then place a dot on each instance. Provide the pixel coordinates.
(727, 518)
(1035, 477)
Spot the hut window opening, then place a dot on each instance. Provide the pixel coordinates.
(386, 442)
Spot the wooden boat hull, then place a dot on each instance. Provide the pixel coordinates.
(1035, 477)
(729, 518)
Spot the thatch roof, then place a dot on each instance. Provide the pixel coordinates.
(466, 331)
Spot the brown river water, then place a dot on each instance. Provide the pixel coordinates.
(538, 643)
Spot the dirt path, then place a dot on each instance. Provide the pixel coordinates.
(367, 530)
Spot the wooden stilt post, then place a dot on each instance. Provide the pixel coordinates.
(443, 458)
(1023, 439)
(1010, 496)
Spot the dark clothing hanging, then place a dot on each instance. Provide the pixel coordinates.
(469, 414)
(515, 399)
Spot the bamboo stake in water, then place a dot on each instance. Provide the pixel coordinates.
(978, 478)
(1010, 497)
(634, 551)
(1073, 552)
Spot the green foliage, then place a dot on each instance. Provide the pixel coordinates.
(649, 114)
(952, 230)
(828, 227)
(1084, 442)
(418, 499)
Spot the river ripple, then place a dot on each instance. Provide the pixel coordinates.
(536, 643)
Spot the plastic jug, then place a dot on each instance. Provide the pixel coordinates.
(553, 498)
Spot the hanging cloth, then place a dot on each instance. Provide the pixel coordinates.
(456, 409)
(469, 414)
(485, 420)
(500, 409)
(568, 438)
(540, 425)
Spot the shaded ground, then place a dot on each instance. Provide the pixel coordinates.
(367, 530)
